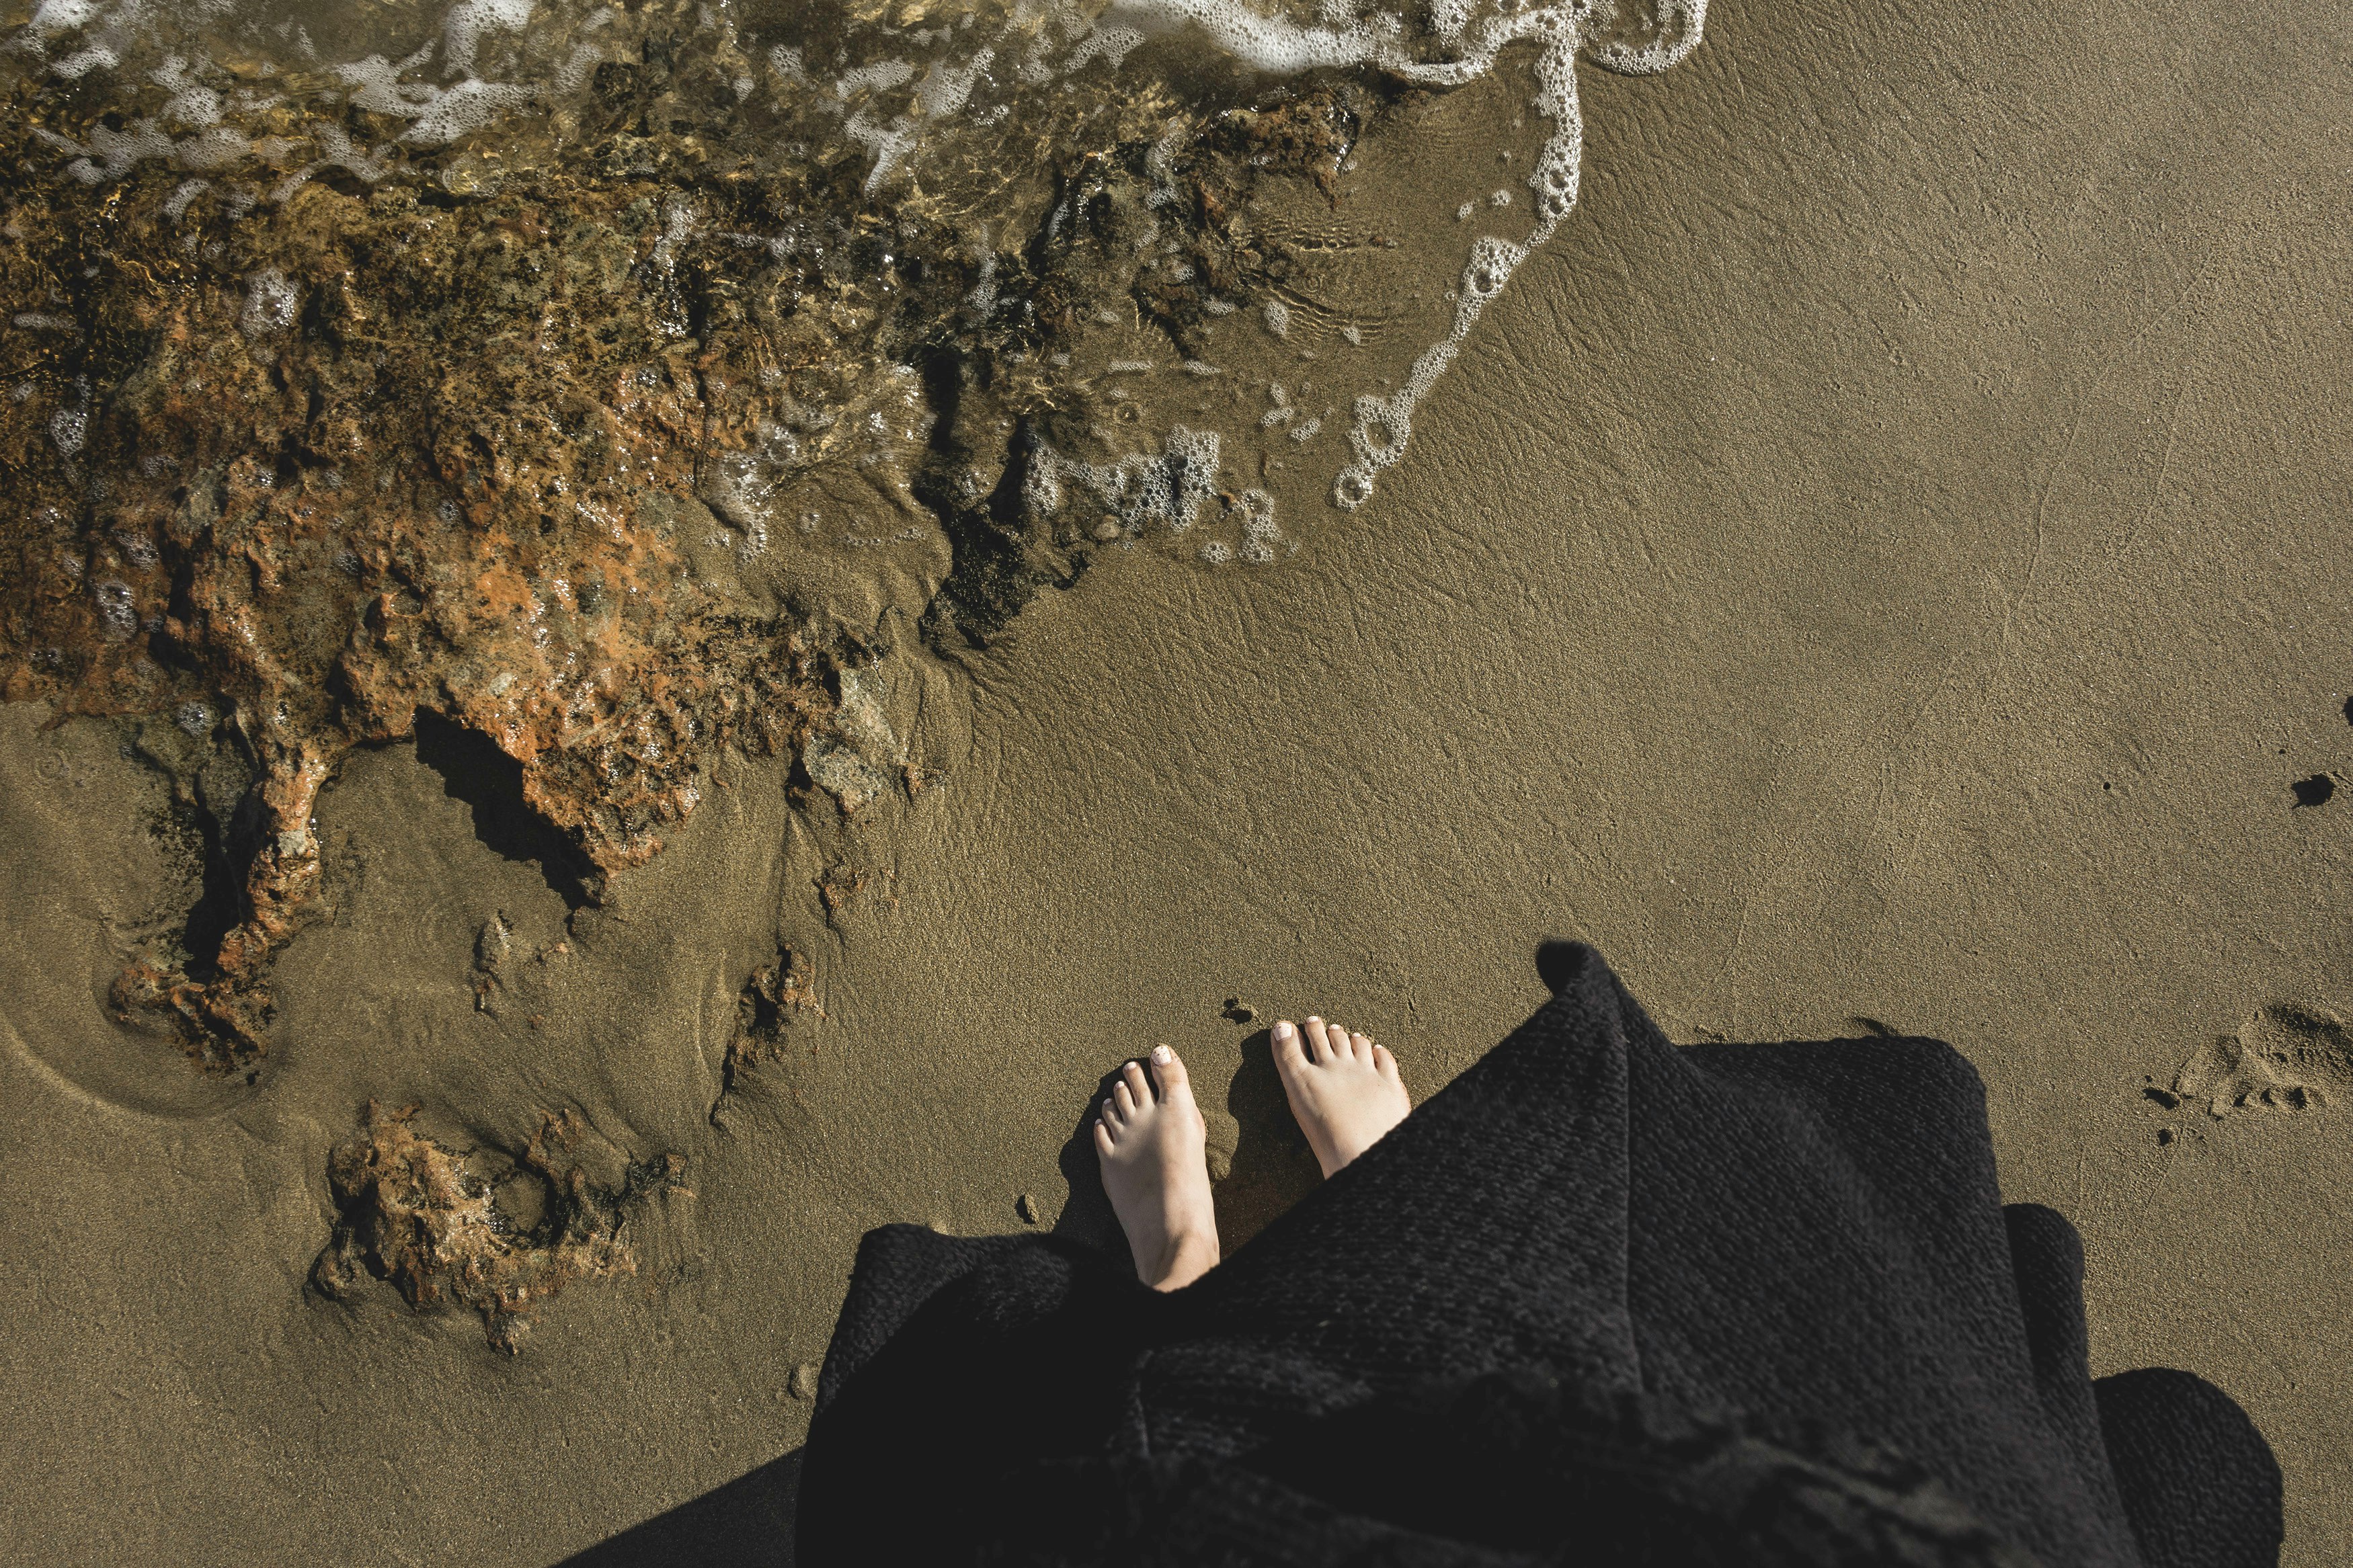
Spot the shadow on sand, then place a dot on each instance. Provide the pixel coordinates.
(747, 1523)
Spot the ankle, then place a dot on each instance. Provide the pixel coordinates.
(1189, 1255)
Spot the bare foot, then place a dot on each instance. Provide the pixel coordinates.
(1343, 1089)
(1155, 1169)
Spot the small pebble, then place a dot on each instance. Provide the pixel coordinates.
(804, 1380)
(1106, 530)
(1028, 1207)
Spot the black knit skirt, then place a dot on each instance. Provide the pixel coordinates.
(1601, 1300)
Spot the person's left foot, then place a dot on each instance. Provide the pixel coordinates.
(1154, 1147)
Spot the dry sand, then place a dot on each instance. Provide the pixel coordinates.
(1886, 563)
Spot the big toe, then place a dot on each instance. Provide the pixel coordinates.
(1169, 1072)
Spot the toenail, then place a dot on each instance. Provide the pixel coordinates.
(1163, 1055)
(1283, 1030)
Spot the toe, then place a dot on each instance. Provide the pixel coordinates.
(1175, 1084)
(1290, 1050)
(1362, 1047)
(1102, 1139)
(1319, 1043)
(1124, 1098)
(1386, 1063)
(1133, 1079)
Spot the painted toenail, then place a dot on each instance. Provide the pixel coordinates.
(1284, 1031)
(1163, 1055)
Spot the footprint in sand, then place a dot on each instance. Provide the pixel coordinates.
(2290, 1057)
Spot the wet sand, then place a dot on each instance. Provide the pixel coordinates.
(1883, 566)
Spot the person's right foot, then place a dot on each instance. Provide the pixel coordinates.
(1149, 1138)
(1343, 1089)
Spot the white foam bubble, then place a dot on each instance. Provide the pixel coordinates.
(1272, 44)
(1160, 163)
(870, 79)
(110, 153)
(467, 107)
(54, 16)
(208, 151)
(945, 87)
(70, 429)
(191, 106)
(1111, 45)
(273, 301)
(462, 29)
(981, 303)
(1140, 490)
(336, 152)
(81, 62)
(1680, 24)
(117, 608)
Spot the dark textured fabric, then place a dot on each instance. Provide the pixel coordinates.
(2199, 1481)
(1600, 1300)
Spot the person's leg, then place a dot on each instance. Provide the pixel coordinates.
(1155, 1169)
(1343, 1089)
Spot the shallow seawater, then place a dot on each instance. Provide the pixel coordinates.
(1205, 251)
(622, 379)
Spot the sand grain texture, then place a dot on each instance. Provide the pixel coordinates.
(1885, 562)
